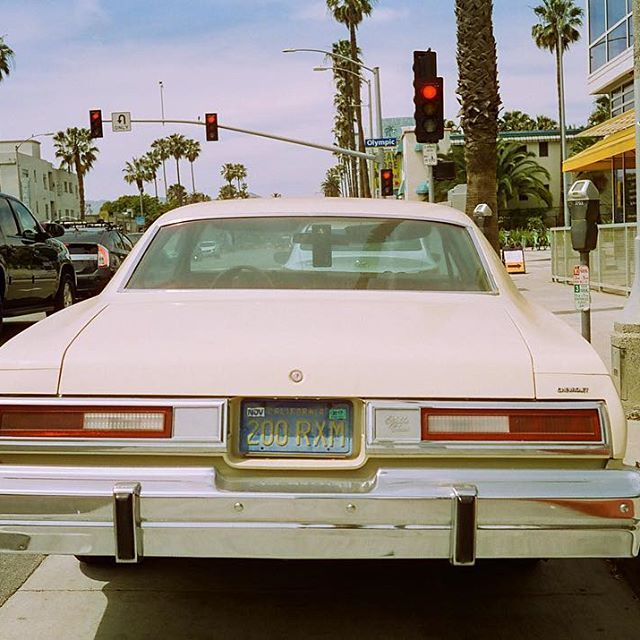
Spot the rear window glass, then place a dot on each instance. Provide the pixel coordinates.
(312, 253)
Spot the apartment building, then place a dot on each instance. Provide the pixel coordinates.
(50, 193)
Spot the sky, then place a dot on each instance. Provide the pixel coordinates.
(225, 56)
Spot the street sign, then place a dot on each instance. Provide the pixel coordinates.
(139, 220)
(581, 288)
(380, 142)
(121, 121)
(513, 260)
(430, 154)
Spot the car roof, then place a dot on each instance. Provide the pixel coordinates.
(357, 207)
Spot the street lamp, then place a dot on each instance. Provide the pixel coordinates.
(374, 70)
(31, 137)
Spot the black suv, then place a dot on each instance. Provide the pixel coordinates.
(97, 250)
(36, 273)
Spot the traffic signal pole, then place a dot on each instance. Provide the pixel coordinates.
(271, 136)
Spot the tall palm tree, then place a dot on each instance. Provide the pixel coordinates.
(480, 102)
(6, 59)
(137, 172)
(556, 31)
(330, 186)
(152, 162)
(239, 174)
(545, 123)
(228, 172)
(191, 153)
(351, 13)
(161, 147)
(177, 144)
(76, 150)
(601, 110)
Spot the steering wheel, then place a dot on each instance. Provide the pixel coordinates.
(237, 277)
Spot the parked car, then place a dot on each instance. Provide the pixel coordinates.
(97, 250)
(134, 236)
(36, 273)
(208, 249)
(407, 402)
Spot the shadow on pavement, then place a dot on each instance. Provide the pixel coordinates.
(171, 598)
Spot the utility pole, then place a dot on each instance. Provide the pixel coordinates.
(625, 341)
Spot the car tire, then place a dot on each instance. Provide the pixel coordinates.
(66, 294)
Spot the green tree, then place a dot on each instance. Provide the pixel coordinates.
(555, 31)
(191, 153)
(162, 149)
(228, 192)
(516, 121)
(76, 150)
(519, 175)
(121, 209)
(136, 171)
(176, 195)
(152, 162)
(480, 102)
(330, 186)
(351, 13)
(545, 123)
(7, 57)
(177, 146)
(601, 111)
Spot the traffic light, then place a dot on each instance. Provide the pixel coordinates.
(211, 126)
(386, 182)
(95, 123)
(428, 97)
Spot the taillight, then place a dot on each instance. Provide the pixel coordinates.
(85, 422)
(541, 425)
(103, 256)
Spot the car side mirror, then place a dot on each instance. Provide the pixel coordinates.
(54, 229)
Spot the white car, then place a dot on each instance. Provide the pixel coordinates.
(413, 407)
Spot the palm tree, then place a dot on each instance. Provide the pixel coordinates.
(137, 171)
(76, 150)
(176, 195)
(516, 121)
(601, 111)
(176, 143)
(240, 173)
(228, 172)
(191, 153)
(343, 128)
(480, 102)
(351, 13)
(152, 162)
(161, 147)
(227, 192)
(556, 30)
(330, 186)
(545, 123)
(519, 175)
(6, 59)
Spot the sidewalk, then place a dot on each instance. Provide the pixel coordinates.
(536, 285)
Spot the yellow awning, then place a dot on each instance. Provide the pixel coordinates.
(612, 125)
(598, 156)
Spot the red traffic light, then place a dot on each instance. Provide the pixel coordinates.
(386, 182)
(386, 174)
(211, 126)
(429, 91)
(95, 123)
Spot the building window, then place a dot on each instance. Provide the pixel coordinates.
(523, 198)
(44, 180)
(622, 99)
(617, 41)
(543, 149)
(46, 209)
(611, 19)
(596, 19)
(597, 55)
(66, 188)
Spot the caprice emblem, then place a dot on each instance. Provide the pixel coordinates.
(397, 423)
(573, 389)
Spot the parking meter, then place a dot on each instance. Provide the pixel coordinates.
(583, 201)
(481, 215)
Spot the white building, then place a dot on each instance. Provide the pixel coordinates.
(50, 193)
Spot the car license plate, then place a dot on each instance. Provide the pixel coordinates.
(296, 428)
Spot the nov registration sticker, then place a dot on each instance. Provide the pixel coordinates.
(320, 428)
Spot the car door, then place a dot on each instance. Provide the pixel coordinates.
(44, 255)
(17, 272)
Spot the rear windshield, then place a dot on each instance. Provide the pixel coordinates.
(312, 253)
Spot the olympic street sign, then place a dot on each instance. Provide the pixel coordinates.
(380, 142)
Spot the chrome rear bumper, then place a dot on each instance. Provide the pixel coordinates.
(397, 512)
